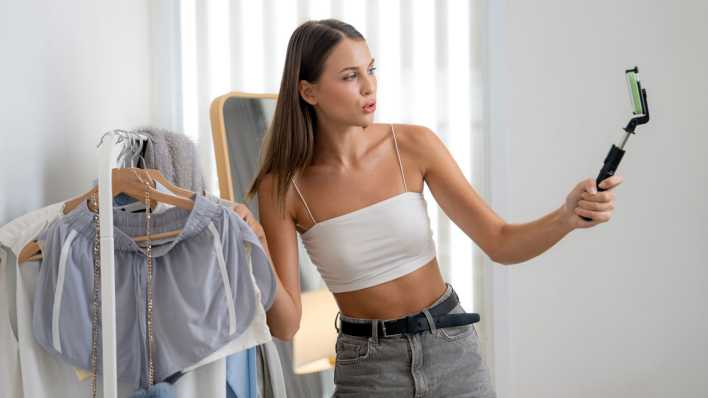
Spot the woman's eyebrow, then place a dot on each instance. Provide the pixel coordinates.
(354, 67)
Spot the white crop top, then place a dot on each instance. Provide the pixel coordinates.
(374, 244)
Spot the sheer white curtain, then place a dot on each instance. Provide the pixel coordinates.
(428, 56)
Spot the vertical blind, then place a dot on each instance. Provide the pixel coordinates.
(429, 65)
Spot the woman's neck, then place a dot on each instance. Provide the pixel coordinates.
(341, 146)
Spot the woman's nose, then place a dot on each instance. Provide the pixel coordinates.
(368, 85)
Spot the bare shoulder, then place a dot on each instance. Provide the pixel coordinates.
(267, 198)
(411, 133)
(419, 143)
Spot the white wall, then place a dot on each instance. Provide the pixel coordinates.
(70, 71)
(618, 310)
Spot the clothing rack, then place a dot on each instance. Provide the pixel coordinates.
(108, 295)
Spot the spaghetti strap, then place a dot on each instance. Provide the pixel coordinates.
(405, 187)
(303, 201)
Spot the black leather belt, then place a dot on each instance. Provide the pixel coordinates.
(414, 323)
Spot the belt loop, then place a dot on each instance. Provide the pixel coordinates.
(335, 322)
(431, 322)
(375, 330)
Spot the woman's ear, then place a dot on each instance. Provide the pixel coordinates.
(307, 92)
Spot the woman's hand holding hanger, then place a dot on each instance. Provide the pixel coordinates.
(283, 315)
(245, 213)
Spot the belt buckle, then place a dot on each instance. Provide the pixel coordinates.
(385, 333)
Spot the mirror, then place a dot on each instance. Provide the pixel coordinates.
(239, 123)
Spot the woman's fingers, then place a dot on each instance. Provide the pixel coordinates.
(611, 182)
(241, 210)
(245, 213)
(596, 216)
(596, 206)
(607, 185)
(606, 196)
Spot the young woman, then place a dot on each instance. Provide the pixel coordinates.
(353, 189)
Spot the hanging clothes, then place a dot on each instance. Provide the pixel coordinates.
(256, 373)
(31, 371)
(196, 287)
(159, 390)
(267, 380)
(175, 155)
(241, 374)
(272, 373)
(10, 377)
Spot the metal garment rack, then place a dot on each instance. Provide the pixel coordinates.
(108, 294)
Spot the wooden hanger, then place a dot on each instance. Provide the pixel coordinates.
(132, 182)
(125, 181)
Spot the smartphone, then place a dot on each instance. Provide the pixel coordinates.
(635, 91)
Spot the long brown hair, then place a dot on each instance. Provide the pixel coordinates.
(289, 142)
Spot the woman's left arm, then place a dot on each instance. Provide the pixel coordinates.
(522, 242)
(504, 243)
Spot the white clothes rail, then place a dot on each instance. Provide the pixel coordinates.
(108, 295)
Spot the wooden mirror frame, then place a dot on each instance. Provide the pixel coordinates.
(221, 148)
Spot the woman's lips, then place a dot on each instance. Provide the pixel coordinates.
(369, 108)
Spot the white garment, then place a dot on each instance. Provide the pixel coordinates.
(275, 371)
(10, 376)
(13, 236)
(29, 371)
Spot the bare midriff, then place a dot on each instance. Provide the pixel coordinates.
(397, 298)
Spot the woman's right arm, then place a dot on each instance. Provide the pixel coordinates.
(284, 315)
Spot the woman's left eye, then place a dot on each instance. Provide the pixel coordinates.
(352, 76)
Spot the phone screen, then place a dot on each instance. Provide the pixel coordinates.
(634, 92)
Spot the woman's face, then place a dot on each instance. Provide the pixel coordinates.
(346, 90)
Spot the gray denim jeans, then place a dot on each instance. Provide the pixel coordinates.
(440, 363)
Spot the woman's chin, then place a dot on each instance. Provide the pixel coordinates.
(366, 124)
(367, 119)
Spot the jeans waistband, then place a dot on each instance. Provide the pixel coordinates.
(437, 315)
